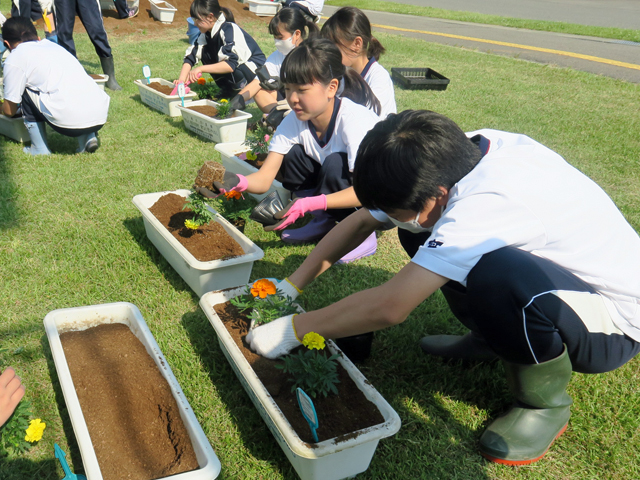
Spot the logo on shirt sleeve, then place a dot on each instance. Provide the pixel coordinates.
(434, 244)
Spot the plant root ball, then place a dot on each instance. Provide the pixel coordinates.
(210, 172)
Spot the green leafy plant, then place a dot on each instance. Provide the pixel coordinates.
(311, 369)
(224, 109)
(12, 433)
(264, 303)
(205, 90)
(201, 214)
(258, 139)
(233, 206)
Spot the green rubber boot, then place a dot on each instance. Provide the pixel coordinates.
(540, 415)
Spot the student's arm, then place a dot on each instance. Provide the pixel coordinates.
(215, 68)
(9, 108)
(260, 181)
(343, 199)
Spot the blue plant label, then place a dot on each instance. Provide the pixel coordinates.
(146, 72)
(181, 92)
(308, 411)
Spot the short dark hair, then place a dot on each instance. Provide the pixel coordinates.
(200, 9)
(292, 19)
(348, 23)
(403, 160)
(18, 30)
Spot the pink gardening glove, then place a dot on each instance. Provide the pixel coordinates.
(296, 209)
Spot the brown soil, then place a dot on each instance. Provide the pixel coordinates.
(96, 77)
(209, 172)
(207, 110)
(132, 417)
(338, 416)
(209, 242)
(157, 86)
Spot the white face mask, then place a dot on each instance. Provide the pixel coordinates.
(413, 226)
(285, 46)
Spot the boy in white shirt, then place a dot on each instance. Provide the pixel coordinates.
(505, 228)
(52, 87)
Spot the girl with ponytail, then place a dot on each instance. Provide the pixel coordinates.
(229, 54)
(313, 150)
(350, 30)
(289, 28)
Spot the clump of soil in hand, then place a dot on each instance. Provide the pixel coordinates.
(209, 242)
(166, 89)
(133, 419)
(210, 172)
(207, 110)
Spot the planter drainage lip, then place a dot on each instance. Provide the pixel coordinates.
(252, 251)
(303, 449)
(80, 318)
(238, 115)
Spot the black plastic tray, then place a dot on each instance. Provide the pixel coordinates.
(419, 78)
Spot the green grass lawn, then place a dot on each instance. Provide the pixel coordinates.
(70, 236)
(473, 17)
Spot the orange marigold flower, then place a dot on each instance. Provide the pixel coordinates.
(202, 81)
(263, 287)
(233, 195)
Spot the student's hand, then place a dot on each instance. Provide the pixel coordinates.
(193, 75)
(277, 113)
(286, 287)
(237, 103)
(230, 183)
(271, 84)
(11, 392)
(296, 209)
(274, 339)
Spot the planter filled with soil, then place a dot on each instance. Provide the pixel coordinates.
(199, 117)
(157, 95)
(231, 154)
(13, 127)
(100, 79)
(347, 440)
(226, 258)
(126, 407)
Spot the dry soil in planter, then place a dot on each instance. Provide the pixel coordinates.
(339, 416)
(133, 419)
(157, 86)
(207, 110)
(209, 242)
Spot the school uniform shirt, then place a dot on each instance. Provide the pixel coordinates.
(274, 63)
(57, 83)
(524, 195)
(380, 82)
(349, 124)
(226, 42)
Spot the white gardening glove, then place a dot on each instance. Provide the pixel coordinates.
(274, 339)
(286, 287)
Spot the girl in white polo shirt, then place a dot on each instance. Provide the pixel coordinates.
(314, 149)
(289, 28)
(349, 28)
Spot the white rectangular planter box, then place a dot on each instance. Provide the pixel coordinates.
(102, 80)
(264, 8)
(166, 104)
(14, 128)
(162, 11)
(329, 460)
(229, 152)
(202, 277)
(81, 318)
(232, 129)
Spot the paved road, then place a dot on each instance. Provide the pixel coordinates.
(596, 55)
(600, 13)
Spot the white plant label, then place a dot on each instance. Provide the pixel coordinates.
(146, 72)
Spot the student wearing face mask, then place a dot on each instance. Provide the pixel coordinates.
(504, 227)
(289, 28)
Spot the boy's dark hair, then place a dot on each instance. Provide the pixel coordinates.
(319, 60)
(292, 19)
(403, 160)
(19, 30)
(202, 8)
(346, 24)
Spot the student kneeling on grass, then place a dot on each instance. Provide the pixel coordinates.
(531, 255)
(52, 87)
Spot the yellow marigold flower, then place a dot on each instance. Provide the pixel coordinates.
(313, 340)
(262, 288)
(251, 156)
(35, 430)
(202, 81)
(233, 195)
(211, 80)
(191, 225)
(224, 100)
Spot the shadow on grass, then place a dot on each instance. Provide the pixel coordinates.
(434, 442)
(135, 226)
(9, 210)
(22, 469)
